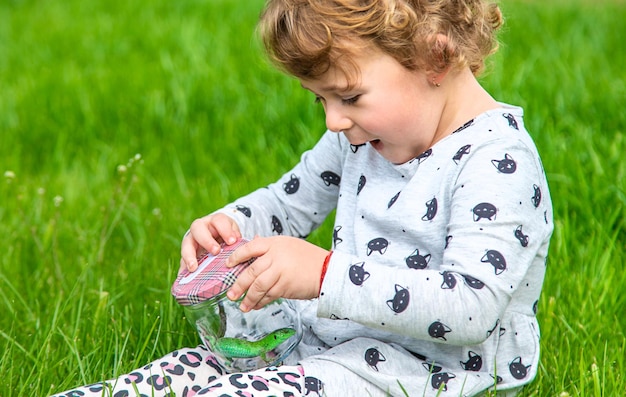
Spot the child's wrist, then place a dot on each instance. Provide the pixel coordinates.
(324, 269)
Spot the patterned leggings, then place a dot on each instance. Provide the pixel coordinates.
(195, 372)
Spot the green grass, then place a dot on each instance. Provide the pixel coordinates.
(89, 248)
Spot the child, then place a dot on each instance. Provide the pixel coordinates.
(443, 215)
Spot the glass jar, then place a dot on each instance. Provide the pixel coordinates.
(240, 341)
(246, 341)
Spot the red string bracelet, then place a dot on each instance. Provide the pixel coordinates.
(324, 268)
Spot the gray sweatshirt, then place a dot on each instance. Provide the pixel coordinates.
(438, 263)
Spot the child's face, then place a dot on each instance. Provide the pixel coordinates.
(395, 109)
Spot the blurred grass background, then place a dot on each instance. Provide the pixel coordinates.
(122, 121)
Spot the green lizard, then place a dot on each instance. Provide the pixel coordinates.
(238, 348)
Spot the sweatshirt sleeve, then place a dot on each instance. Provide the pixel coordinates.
(299, 201)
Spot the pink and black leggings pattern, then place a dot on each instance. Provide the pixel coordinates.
(195, 372)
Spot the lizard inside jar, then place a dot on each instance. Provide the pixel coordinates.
(240, 341)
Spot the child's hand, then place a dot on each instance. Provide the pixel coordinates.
(285, 267)
(206, 234)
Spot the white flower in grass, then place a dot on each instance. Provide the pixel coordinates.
(10, 175)
(121, 169)
(57, 201)
(134, 159)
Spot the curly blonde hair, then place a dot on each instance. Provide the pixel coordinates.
(307, 37)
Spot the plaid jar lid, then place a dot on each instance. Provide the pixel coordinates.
(210, 279)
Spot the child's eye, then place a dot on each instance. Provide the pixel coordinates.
(318, 99)
(351, 100)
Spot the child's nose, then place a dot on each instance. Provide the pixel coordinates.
(336, 120)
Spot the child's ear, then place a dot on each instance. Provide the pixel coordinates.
(441, 52)
(436, 77)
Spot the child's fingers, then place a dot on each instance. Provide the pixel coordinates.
(259, 292)
(197, 239)
(201, 234)
(269, 297)
(245, 279)
(183, 264)
(226, 228)
(207, 233)
(252, 249)
(189, 253)
(254, 281)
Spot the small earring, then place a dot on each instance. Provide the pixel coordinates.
(436, 84)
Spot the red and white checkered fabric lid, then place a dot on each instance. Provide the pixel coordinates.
(210, 279)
